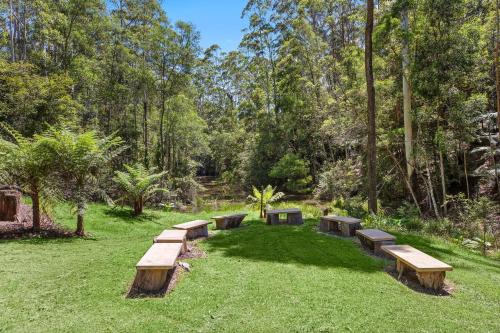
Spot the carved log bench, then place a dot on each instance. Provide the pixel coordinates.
(195, 229)
(155, 265)
(228, 221)
(347, 226)
(173, 236)
(293, 216)
(374, 239)
(430, 271)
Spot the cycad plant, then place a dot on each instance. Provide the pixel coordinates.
(138, 184)
(265, 196)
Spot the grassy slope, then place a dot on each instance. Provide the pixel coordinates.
(258, 278)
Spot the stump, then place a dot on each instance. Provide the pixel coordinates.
(10, 202)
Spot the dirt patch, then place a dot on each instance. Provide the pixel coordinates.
(22, 228)
(410, 280)
(173, 276)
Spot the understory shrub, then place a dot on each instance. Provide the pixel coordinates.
(294, 172)
(339, 179)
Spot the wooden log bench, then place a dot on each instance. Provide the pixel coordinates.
(228, 221)
(374, 239)
(173, 236)
(293, 216)
(430, 271)
(347, 226)
(195, 229)
(155, 265)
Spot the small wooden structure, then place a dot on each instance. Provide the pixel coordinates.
(195, 229)
(374, 239)
(347, 226)
(173, 236)
(155, 265)
(228, 221)
(10, 202)
(430, 271)
(293, 216)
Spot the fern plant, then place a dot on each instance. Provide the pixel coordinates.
(26, 163)
(80, 159)
(138, 184)
(265, 196)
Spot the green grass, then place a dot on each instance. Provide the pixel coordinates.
(255, 279)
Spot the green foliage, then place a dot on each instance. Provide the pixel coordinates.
(27, 163)
(30, 101)
(81, 160)
(293, 171)
(138, 184)
(339, 179)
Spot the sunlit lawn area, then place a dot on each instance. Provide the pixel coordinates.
(257, 278)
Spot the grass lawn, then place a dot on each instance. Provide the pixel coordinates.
(255, 279)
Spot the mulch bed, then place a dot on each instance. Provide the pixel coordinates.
(22, 228)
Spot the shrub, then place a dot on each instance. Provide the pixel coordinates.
(294, 172)
(339, 179)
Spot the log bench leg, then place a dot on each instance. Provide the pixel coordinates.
(400, 267)
(349, 230)
(197, 232)
(273, 219)
(431, 280)
(294, 218)
(221, 224)
(150, 280)
(324, 226)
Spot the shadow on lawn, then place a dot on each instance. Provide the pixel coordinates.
(291, 244)
(127, 216)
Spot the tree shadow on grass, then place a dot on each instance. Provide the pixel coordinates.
(126, 215)
(300, 245)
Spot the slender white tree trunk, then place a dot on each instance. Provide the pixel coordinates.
(407, 96)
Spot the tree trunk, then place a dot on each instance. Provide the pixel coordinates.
(11, 28)
(431, 191)
(138, 206)
(262, 203)
(79, 220)
(145, 128)
(407, 97)
(35, 204)
(371, 147)
(497, 69)
(466, 173)
(443, 182)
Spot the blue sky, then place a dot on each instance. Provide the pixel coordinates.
(219, 21)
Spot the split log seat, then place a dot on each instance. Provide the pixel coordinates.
(228, 221)
(173, 236)
(430, 271)
(153, 268)
(347, 226)
(293, 216)
(374, 239)
(195, 229)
